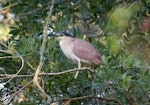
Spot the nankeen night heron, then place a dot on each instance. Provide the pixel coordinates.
(78, 50)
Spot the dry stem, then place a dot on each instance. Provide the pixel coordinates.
(35, 79)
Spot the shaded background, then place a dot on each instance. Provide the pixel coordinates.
(119, 29)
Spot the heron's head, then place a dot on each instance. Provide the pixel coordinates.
(61, 35)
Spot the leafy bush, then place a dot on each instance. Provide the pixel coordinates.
(114, 27)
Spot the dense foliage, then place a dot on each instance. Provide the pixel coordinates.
(119, 29)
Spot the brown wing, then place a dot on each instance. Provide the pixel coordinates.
(86, 51)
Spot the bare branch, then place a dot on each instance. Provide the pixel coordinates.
(63, 72)
(35, 79)
(22, 65)
(6, 51)
(9, 57)
(30, 66)
(12, 96)
(44, 74)
(9, 6)
(7, 47)
(12, 51)
(91, 96)
(132, 67)
(33, 11)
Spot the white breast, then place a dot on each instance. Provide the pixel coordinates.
(66, 46)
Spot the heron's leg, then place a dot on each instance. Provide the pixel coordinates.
(79, 66)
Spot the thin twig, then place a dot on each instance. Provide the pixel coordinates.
(33, 11)
(91, 96)
(45, 74)
(63, 72)
(7, 47)
(22, 65)
(35, 79)
(12, 52)
(30, 66)
(9, 6)
(6, 51)
(8, 57)
(12, 96)
(131, 67)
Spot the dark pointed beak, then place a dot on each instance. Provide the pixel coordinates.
(53, 34)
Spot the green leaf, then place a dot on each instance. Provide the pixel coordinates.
(113, 44)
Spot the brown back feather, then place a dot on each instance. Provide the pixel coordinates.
(86, 51)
